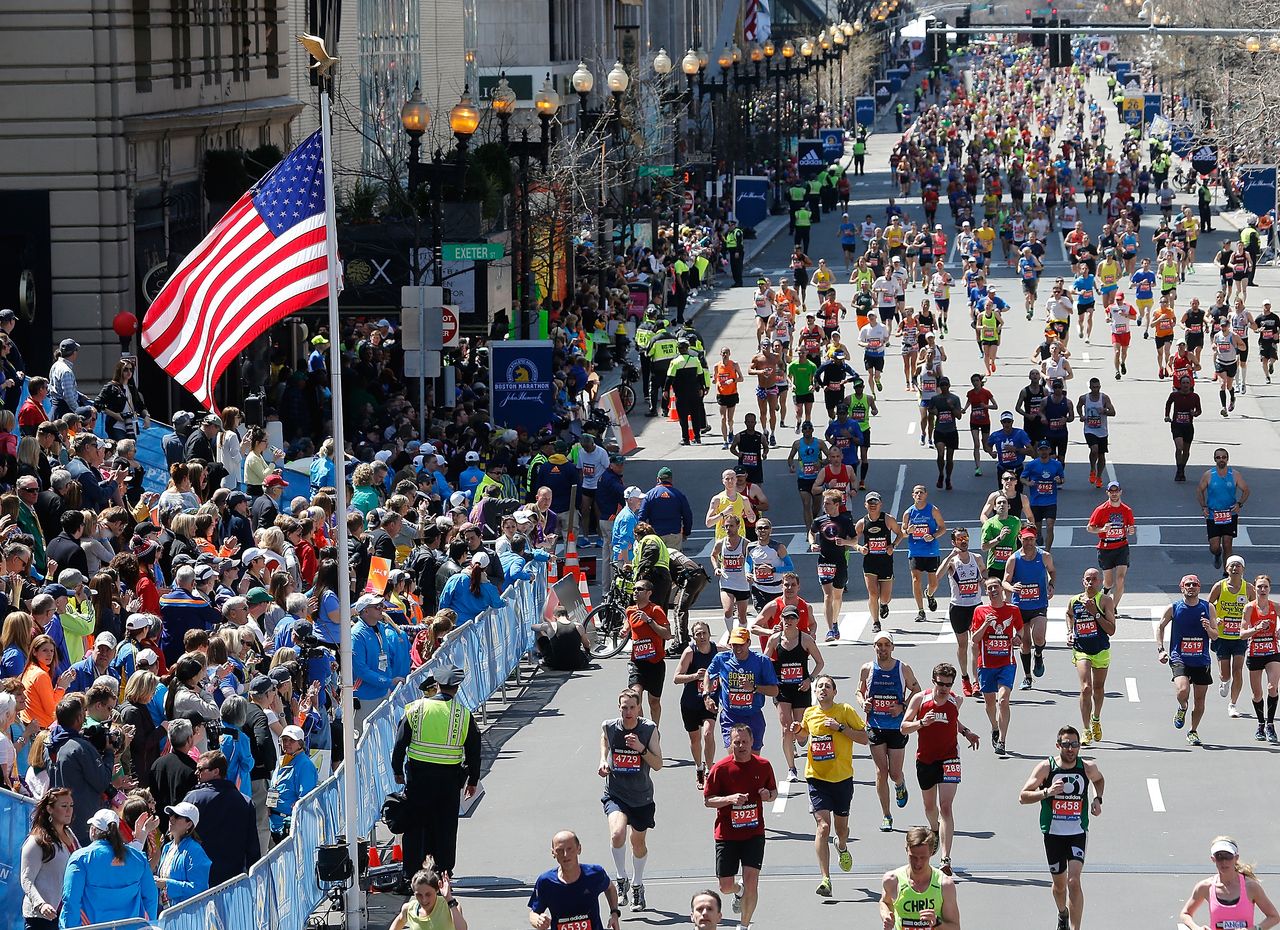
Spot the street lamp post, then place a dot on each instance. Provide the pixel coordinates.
(663, 66)
(546, 103)
(603, 120)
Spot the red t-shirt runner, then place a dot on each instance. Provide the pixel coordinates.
(939, 741)
(646, 644)
(740, 821)
(804, 622)
(1114, 521)
(840, 479)
(995, 649)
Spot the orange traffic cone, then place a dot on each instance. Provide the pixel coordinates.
(553, 568)
(375, 857)
(571, 554)
(671, 409)
(582, 589)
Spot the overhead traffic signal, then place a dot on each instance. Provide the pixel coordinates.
(1037, 37)
(1060, 47)
(962, 22)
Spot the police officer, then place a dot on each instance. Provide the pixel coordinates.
(803, 219)
(1204, 197)
(662, 349)
(796, 194)
(733, 248)
(442, 745)
(860, 154)
(652, 324)
(814, 200)
(690, 380)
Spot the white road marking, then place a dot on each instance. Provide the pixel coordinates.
(853, 625)
(1147, 535)
(897, 491)
(1085, 357)
(911, 428)
(780, 802)
(1242, 538)
(1131, 689)
(1111, 473)
(1157, 799)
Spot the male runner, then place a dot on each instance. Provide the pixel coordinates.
(646, 670)
(1121, 316)
(945, 410)
(862, 407)
(918, 895)
(736, 684)
(764, 367)
(1181, 408)
(1112, 521)
(1222, 493)
(629, 753)
(923, 524)
(964, 572)
(738, 787)
(1193, 625)
(1093, 409)
(935, 715)
(1029, 575)
(833, 729)
(566, 896)
(1044, 477)
(812, 453)
(1060, 785)
(1091, 622)
(873, 338)
(885, 686)
(1229, 598)
(997, 625)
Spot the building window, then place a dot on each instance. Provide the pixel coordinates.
(142, 46)
(271, 10)
(180, 31)
(389, 55)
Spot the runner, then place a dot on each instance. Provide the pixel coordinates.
(766, 562)
(935, 716)
(1044, 477)
(647, 669)
(1163, 321)
(918, 895)
(1193, 626)
(565, 896)
(763, 300)
(1234, 894)
(629, 753)
(1229, 598)
(832, 730)
(770, 617)
(1144, 292)
(751, 448)
(1193, 323)
(1259, 628)
(835, 533)
(764, 368)
(1029, 575)
(802, 372)
(861, 409)
(1093, 409)
(1113, 522)
(873, 337)
(1008, 446)
(876, 546)
(1121, 316)
(945, 411)
(996, 627)
(729, 560)
(1227, 347)
(1060, 785)
(940, 287)
(1222, 493)
(729, 502)
(964, 572)
(979, 402)
(1091, 622)
(699, 722)
(1241, 323)
(922, 523)
(1181, 408)
(989, 323)
(1056, 415)
(1000, 537)
(791, 650)
(1267, 323)
(812, 453)
(1084, 287)
(736, 683)
(728, 375)
(738, 787)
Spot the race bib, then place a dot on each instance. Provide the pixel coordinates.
(886, 705)
(581, 922)
(588, 470)
(1262, 646)
(1028, 592)
(1222, 517)
(750, 459)
(919, 530)
(1087, 627)
(742, 689)
(642, 650)
(951, 771)
(791, 673)
(873, 344)
(733, 563)
(877, 545)
(1007, 454)
(1114, 532)
(1001, 553)
(1045, 487)
(967, 588)
(826, 573)
(1191, 647)
(626, 761)
(1230, 626)
(1067, 808)
(1057, 423)
(998, 645)
(809, 469)
(1093, 422)
(1182, 416)
(821, 748)
(744, 816)
(945, 417)
(764, 571)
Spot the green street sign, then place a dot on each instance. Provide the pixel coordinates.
(472, 251)
(657, 171)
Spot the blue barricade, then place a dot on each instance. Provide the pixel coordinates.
(15, 823)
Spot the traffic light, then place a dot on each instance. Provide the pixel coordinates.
(962, 22)
(1028, 12)
(935, 43)
(1060, 47)
(1037, 38)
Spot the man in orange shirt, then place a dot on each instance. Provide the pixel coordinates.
(1163, 322)
(649, 628)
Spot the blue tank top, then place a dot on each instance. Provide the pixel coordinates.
(919, 524)
(1188, 641)
(1221, 493)
(885, 689)
(690, 696)
(1030, 572)
(809, 457)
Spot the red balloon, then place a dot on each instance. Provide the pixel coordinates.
(125, 324)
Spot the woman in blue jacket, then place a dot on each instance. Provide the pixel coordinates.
(469, 593)
(295, 777)
(184, 865)
(107, 880)
(235, 745)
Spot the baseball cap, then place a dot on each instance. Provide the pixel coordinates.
(1006, 417)
(885, 635)
(253, 552)
(480, 559)
(293, 731)
(319, 341)
(146, 657)
(146, 527)
(56, 590)
(6, 315)
(70, 578)
(235, 498)
(104, 820)
(524, 516)
(1113, 485)
(740, 636)
(261, 684)
(473, 456)
(617, 458)
(303, 628)
(664, 472)
(258, 595)
(137, 622)
(68, 345)
(872, 496)
(633, 492)
(184, 809)
(366, 600)
(107, 640)
(274, 481)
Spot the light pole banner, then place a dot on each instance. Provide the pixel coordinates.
(1151, 106)
(832, 143)
(1258, 188)
(864, 111)
(810, 160)
(750, 200)
(521, 385)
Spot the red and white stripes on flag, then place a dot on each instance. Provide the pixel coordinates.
(266, 258)
(757, 24)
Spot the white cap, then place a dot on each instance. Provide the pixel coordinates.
(104, 639)
(137, 622)
(885, 635)
(383, 456)
(418, 461)
(185, 809)
(104, 819)
(458, 499)
(146, 657)
(427, 449)
(1225, 846)
(293, 731)
(473, 456)
(366, 600)
(523, 515)
(633, 492)
(480, 559)
(253, 552)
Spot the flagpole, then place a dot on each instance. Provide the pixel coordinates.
(354, 897)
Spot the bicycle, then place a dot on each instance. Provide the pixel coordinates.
(606, 624)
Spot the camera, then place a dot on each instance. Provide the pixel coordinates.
(310, 647)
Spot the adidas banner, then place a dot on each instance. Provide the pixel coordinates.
(811, 160)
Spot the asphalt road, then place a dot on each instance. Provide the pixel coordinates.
(1165, 800)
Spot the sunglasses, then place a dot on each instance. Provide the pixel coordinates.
(1071, 745)
(1223, 856)
(944, 684)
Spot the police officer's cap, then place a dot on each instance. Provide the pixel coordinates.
(449, 676)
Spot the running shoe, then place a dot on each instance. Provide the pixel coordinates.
(1096, 726)
(862, 485)
(1193, 739)
(1180, 718)
(1124, 368)
(933, 602)
(824, 888)
(1117, 374)
(1037, 669)
(1086, 737)
(832, 636)
(702, 779)
(884, 611)
(773, 438)
(1271, 734)
(624, 885)
(940, 482)
(875, 626)
(637, 899)
(792, 775)
(886, 823)
(1231, 405)
(737, 899)
(1223, 411)
(949, 487)
(1260, 734)
(1093, 476)
(966, 685)
(900, 794)
(920, 617)
(995, 741)
(846, 860)
(724, 445)
(1222, 685)
(977, 472)
(946, 865)
(1026, 684)
(1244, 388)
(922, 439)
(1064, 920)
(1217, 563)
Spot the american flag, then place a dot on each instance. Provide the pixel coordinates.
(264, 259)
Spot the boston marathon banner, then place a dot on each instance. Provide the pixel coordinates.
(1258, 188)
(521, 388)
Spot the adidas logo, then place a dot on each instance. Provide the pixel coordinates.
(811, 158)
(1204, 153)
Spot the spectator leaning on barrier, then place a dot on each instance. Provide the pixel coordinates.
(436, 753)
(184, 865)
(295, 777)
(468, 593)
(45, 854)
(107, 880)
(230, 836)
